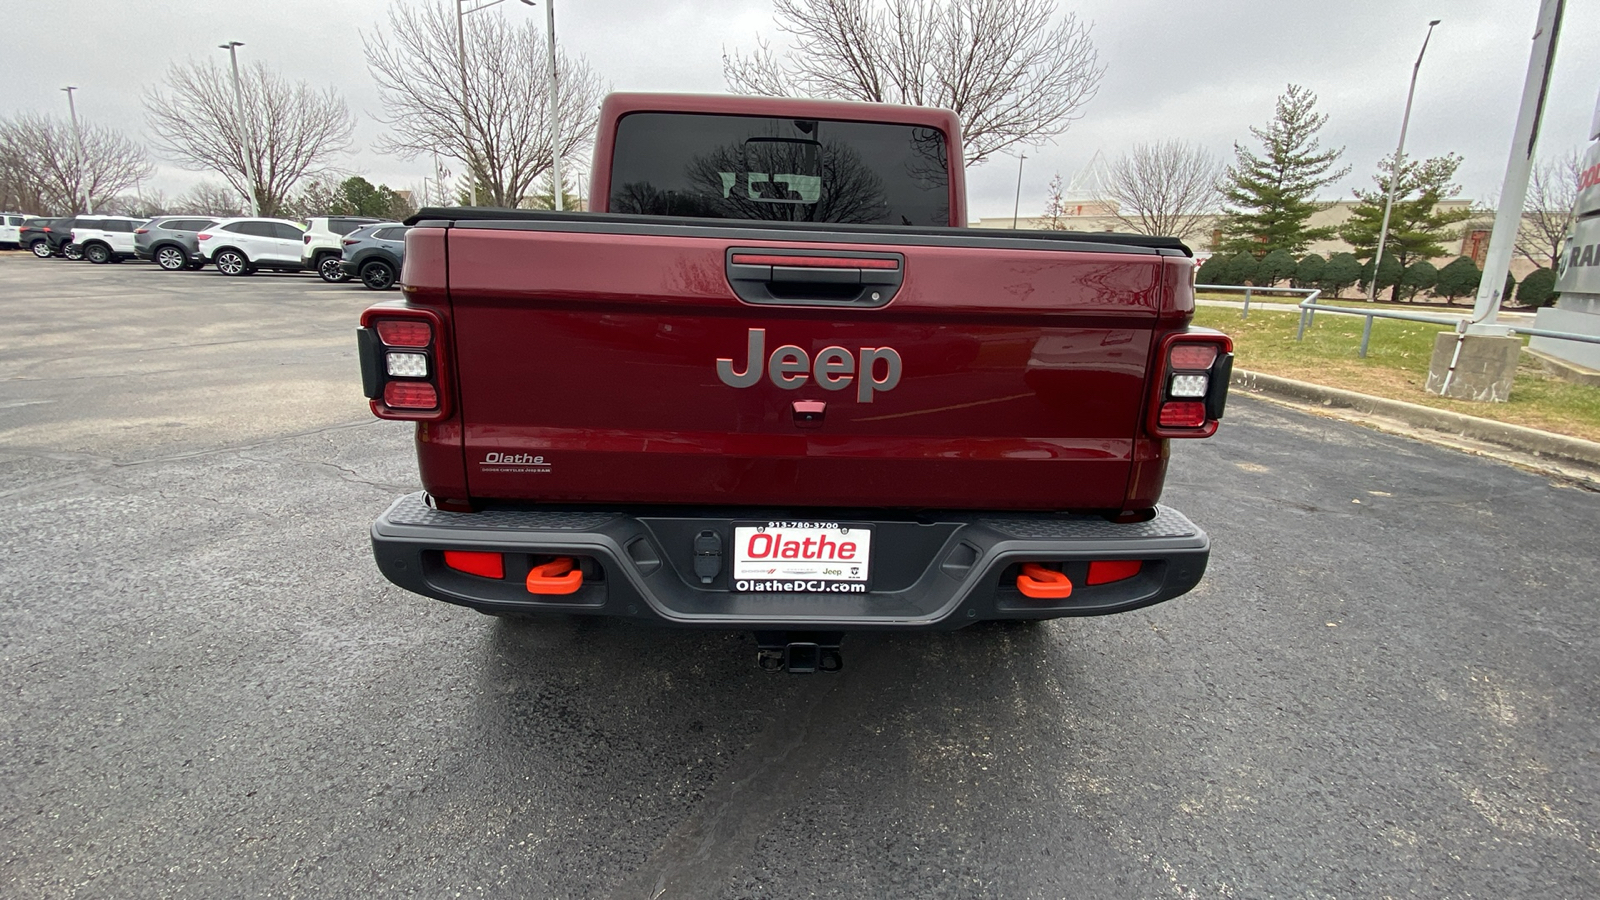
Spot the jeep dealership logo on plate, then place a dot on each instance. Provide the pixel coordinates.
(834, 368)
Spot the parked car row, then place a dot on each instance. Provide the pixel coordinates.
(337, 248)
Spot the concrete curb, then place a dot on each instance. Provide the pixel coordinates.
(1518, 438)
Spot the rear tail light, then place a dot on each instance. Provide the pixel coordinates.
(1188, 386)
(47, 228)
(405, 333)
(141, 231)
(202, 237)
(307, 238)
(402, 367)
(1183, 415)
(1192, 372)
(406, 365)
(1192, 356)
(348, 241)
(410, 395)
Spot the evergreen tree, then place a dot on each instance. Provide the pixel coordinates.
(1275, 267)
(1269, 197)
(363, 198)
(1538, 289)
(1213, 271)
(1419, 276)
(354, 196)
(1308, 272)
(1342, 270)
(1458, 279)
(1417, 227)
(543, 196)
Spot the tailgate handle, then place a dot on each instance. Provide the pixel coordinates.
(810, 278)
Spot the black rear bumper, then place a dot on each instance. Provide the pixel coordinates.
(929, 572)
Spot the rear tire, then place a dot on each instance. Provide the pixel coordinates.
(171, 258)
(72, 252)
(99, 254)
(377, 275)
(232, 262)
(328, 269)
(40, 248)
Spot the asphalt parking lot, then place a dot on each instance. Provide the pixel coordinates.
(1385, 687)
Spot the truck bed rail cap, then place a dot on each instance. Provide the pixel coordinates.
(538, 219)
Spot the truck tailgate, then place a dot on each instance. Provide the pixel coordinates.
(997, 374)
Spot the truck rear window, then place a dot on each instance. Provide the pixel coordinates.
(800, 170)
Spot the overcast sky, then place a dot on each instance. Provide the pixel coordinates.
(1201, 71)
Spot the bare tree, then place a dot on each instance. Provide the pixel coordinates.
(1547, 214)
(209, 198)
(500, 128)
(295, 130)
(42, 155)
(142, 204)
(1001, 65)
(1055, 206)
(1166, 188)
(19, 190)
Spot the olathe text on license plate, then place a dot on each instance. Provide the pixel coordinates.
(824, 557)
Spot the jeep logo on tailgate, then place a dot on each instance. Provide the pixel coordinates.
(834, 368)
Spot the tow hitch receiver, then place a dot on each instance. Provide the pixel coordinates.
(799, 652)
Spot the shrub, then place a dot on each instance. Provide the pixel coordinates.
(1459, 278)
(1213, 271)
(1241, 269)
(1389, 272)
(1308, 272)
(1419, 276)
(1538, 289)
(1342, 270)
(1275, 267)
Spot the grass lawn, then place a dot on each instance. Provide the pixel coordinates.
(1396, 367)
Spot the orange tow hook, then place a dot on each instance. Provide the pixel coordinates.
(1043, 584)
(555, 577)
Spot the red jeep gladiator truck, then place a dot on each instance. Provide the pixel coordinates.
(770, 383)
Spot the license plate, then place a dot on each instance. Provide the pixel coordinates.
(801, 557)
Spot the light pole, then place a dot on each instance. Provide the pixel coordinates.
(77, 135)
(1394, 175)
(461, 65)
(1016, 207)
(246, 132)
(555, 112)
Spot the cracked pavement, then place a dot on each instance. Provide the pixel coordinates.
(1385, 686)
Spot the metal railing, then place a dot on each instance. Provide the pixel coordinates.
(1309, 308)
(1250, 291)
(1308, 311)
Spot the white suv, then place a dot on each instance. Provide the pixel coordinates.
(322, 243)
(241, 246)
(11, 230)
(104, 239)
